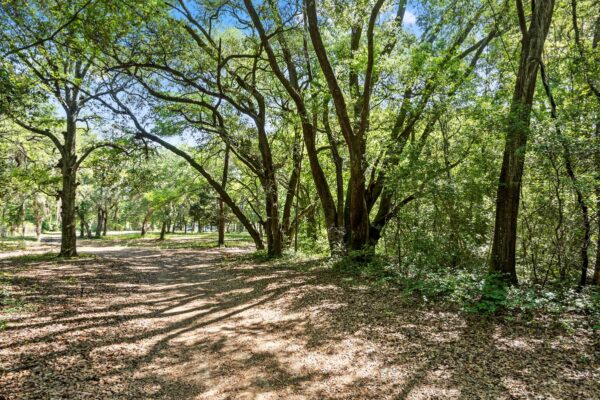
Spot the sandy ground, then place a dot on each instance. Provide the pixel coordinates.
(142, 323)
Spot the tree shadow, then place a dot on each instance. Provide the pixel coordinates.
(144, 323)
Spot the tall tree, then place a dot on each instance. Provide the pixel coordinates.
(517, 132)
(59, 70)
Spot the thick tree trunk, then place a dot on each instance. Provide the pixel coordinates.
(353, 132)
(509, 187)
(269, 184)
(68, 243)
(68, 164)
(359, 216)
(272, 226)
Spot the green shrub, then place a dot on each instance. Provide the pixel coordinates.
(364, 264)
(473, 291)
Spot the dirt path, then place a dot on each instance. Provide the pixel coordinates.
(139, 323)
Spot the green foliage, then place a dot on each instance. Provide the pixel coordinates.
(363, 264)
(493, 297)
(474, 291)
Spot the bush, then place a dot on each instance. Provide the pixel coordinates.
(364, 264)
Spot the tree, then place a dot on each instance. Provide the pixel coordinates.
(223, 102)
(354, 219)
(26, 179)
(517, 132)
(60, 69)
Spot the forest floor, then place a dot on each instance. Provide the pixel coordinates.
(149, 322)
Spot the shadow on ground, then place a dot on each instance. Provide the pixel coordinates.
(144, 323)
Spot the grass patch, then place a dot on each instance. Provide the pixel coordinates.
(12, 246)
(13, 243)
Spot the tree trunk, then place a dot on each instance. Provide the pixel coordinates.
(221, 223)
(359, 216)
(163, 230)
(272, 225)
(311, 226)
(221, 205)
(68, 164)
(81, 228)
(292, 188)
(81, 225)
(595, 92)
(68, 243)
(88, 229)
(146, 220)
(104, 222)
(309, 128)
(100, 222)
(509, 186)
(269, 184)
(22, 218)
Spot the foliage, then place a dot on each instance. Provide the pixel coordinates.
(476, 291)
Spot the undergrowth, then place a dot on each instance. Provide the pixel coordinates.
(472, 290)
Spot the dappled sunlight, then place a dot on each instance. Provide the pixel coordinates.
(139, 323)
